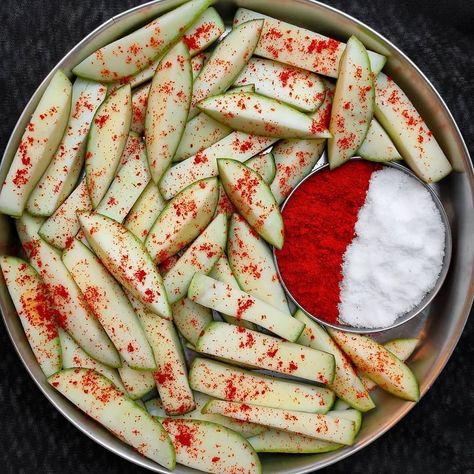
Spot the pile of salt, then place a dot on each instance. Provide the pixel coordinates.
(397, 254)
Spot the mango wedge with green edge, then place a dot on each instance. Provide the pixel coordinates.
(137, 383)
(82, 238)
(377, 145)
(136, 51)
(221, 271)
(139, 104)
(65, 167)
(264, 165)
(227, 299)
(98, 397)
(200, 256)
(238, 146)
(247, 88)
(266, 352)
(189, 346)
(106, 141)
(409, 132)
(205, 31)
(353, 104)
(197, 63)
(227, 382)
(309, 50)
(253, 113)
(349, 414)
(167, 110)
(127, 186)
(296, 87)
(155, 408)
(109, 304)
(202, 33)
(295, 158)
(133, 146)
(69, 305)
(190, 318)
(168, 264)
(341, 405)
(37, 145)
(127, 260)
(277, 441)
(252, 264)
(171, 375)
(224, 206)
(182, 219)
(327, 427)
(386, 370)
(252, 197)
(74, 356)
(401, 348)
(29, 296)
(60, 228)
(346, 384)
(225, 63)
(200, 133)
(211, 447)
(145, 211)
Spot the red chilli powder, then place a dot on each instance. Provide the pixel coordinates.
(319, 223)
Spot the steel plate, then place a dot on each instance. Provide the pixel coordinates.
(443, 320)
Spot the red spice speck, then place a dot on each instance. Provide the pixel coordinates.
(245, 146)
(247, 185)
(215, 459)
(60, 290)
(292, 366)
(320, 45)
(185, 435)
(42, 315)
(200, 158)
(284, 77)
(346, 142)
(91, 294)
(249, 340)
(272, 352)
(165, 374)
(230, 390)
(101, 120)
(241, 104)
(192, 42)
(20, 178)
(140, 275)
(243, 304)
(149, 295)
(394, 97)
(274, 33)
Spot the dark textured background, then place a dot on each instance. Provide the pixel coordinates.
(437, 435)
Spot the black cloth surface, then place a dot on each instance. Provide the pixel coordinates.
(436, 436)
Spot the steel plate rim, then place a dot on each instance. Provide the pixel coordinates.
(404, 409)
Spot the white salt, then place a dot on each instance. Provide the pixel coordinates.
(397, 254)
